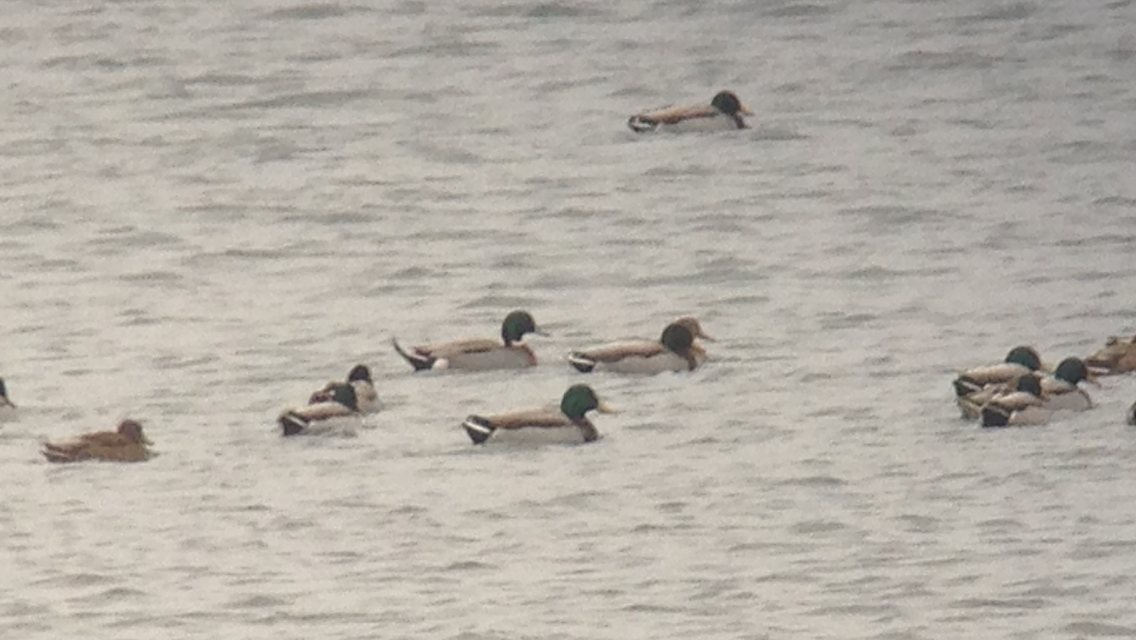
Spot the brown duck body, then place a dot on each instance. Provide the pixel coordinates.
(1116, 357)
(127, 444)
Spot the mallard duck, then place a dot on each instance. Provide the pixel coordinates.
(993, 380)
(1061, 391)
(568, 425)
(479, 354)
(127, 444)
(675, 350)
(337, 415)
(723, 113)
(1117, 356)
(7, 407)
(1022, 406)
(360, 378)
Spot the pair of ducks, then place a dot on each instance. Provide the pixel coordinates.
(1018, 392)
(337, 406)
(675, 350)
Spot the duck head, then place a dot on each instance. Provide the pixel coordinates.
(580, 399)
(1029, 384)
(694, 327)
(132, 431)
(727, 102)
(1073, 370)
(516, 325)
(1025, 356)
(359, 372)
(677, 338)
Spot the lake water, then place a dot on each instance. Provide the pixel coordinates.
(209, 209)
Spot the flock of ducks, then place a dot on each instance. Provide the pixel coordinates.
(338, 407)
(1021, 390)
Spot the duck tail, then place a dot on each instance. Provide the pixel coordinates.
(478, 428)
(996, 416)
(55, 454)
(418, 361)
(292, 424)
(581, 362)
(964, 386)
(641, 124)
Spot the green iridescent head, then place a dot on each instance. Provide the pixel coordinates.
(1025, 356)
(516, 325)
(580, 399)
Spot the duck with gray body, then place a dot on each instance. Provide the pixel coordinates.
(975, 387)
(1023, 406)
(479, 354)
(724, 113)
(567, 424)
(1061, 390)
(338, 415)
(7, 407)
(675, 350)
(360, 378)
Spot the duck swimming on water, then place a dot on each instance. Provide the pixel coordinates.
(723, 113)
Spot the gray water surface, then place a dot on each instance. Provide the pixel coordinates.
(209, 209)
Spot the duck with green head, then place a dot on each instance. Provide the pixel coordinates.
(337, 415)
(7, 407)
(1061, 390)
(975, 387)
(479, 354)
(675, 350)
(1025, 405)
(723, 113)
(567, 424)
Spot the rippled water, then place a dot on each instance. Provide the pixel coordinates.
(209, 209)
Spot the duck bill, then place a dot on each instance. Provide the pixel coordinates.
(606, 408)
(707, 337)
(744, 110)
